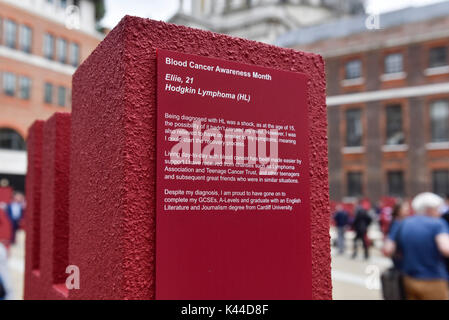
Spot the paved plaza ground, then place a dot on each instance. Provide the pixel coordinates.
(358, 279)
(352, 278)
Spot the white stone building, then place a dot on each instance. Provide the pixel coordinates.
(261, 20)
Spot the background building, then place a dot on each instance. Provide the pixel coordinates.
(38, 55)
(262, 20)
(388, 100)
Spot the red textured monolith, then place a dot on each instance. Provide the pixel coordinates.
(113, 164)
(48, 180)
(112, 195)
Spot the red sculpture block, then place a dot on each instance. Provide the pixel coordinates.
(48, 272)
(113, 162)
(5, 194)
(5, 225)
(33, 199)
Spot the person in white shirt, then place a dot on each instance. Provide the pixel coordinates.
(4, 273)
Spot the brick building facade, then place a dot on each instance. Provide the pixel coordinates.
(388, 101)
(38, 55)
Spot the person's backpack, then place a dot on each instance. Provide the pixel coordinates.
(2, 290)
(392, 284)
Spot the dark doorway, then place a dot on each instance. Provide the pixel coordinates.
(15, 181)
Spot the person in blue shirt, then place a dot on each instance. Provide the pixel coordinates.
(423, 242)
(14, 211)
(445, 217)
(341, 218)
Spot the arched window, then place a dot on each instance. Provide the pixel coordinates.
(11, 140)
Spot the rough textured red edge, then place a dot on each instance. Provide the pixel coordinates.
(33, 198)
(54, 203)
(97, 173)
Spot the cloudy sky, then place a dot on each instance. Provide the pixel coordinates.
(163, 9)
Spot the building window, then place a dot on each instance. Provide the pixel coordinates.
(48, 94)
(439, 121)
(24, 88)
(395, 180)
(353, 69)
(62, 50)
(394, 63)
(49, 44)
(394, 134)
(9, 84)
(63, 4)
(74, 54)
(26, 36)
(61, 96)
(354, 130)
(440, 180)
(355, 185)
(11, 140)
(438, 57)
(10, 34)
(69, 97)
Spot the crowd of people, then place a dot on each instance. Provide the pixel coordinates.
(13, 214)
(359, 221)
(416, 238)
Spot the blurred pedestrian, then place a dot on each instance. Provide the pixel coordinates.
(445, 209)
(385, 219)
(360, 225)
(400, 211)
(445, 216)
(423, 240)
(341, 218)
(5, 281)
(378, 208)
(14, 211)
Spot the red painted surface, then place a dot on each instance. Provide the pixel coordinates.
(228, 254)
(113, 158)
(32, 288)
(50, 143)
(5, 194)
(5, 225)
(55, 204)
